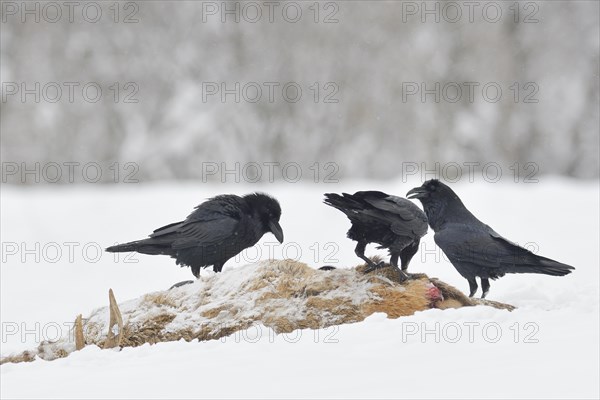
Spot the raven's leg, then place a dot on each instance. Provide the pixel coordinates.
(196, 271)
(485, 287)
(218, 267)
(407, 254)
(394, 259)
(472, 286)
(360, 252)
(394, 262)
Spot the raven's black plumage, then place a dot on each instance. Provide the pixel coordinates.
(475, 249)
(214, 232)
(392, 222)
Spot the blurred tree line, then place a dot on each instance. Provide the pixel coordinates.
(379, 86)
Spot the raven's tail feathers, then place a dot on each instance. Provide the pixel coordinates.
(120, 248)
(544, 266)
(146, 246)
(345, 203)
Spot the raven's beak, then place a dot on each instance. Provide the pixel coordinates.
(276, 230)
(416, 193)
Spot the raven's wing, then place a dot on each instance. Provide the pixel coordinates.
(165, 230)
(485, 248)
(206, 233)
(405, 218)
(211, 223)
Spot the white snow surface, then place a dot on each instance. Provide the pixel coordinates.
(547, 348)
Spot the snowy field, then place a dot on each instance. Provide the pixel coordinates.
(547, 348)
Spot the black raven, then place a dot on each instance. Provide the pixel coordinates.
(215, 231)
(392, 222)
(472, 247)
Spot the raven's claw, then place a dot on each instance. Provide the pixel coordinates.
(403, 275)
(178, 284)
(372, 267)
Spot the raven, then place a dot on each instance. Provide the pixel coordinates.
(473, 247)
(392, 222)
(215, 231)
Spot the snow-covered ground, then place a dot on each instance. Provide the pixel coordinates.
(547, 348)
